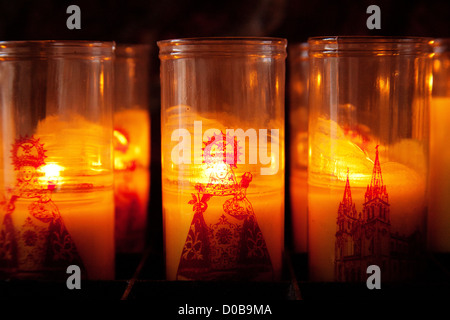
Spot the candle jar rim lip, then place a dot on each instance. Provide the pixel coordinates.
(93, 43)
(377, 44)
(31, 48)
(222, 46)
(221, 40)
(441, 45)
(363, 39)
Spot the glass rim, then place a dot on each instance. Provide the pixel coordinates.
(23, 48)
(181, 47)
(441, 45)
(363, 39)
(344, 44)
(94, 43)
(218, 40)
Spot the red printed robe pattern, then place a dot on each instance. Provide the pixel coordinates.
(33, 239)
(233, 248)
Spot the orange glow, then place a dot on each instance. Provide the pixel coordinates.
(383, 84)
(102, 82)
(253, 79)
(319, 79)
(131, 139)
(119, 164)
(131, 177)
(437, 65)
(123, 141)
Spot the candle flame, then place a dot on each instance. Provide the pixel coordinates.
(51, 175)
(51, 170)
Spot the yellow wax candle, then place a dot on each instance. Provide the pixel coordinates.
(131, 178)
(366, 210)
(56, 160)
(221, 221)
(222, 137)
(368, 157)
(61, 209)
(89, 219)
(439, 201)
(177, 220)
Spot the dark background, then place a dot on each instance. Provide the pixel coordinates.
(147, 21)
(151, 20)
(140, 21)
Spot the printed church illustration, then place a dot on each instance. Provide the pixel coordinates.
(365, 238)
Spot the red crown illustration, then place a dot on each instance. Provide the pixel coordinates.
(28, 152)
(222, 147)
(221, 153)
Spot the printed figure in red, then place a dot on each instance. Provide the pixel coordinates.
(33, 239)
(234, 246)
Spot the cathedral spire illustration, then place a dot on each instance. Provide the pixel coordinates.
(347, 207)
(365, 238)
(347, 199)
(377, 178)
(376, 189)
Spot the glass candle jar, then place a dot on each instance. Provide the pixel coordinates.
(131, 146)
(222, 120)
(368, 156)
(439, 202)
(56, 178)
(298, 147)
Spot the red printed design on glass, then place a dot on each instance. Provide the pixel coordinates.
(234, 247)
(365, 238)
(42, 244)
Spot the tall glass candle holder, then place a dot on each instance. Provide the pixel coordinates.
(298, 132)
(439, 201)
(131, 146)
(222, 119)
(368, 164)
(56, 179)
